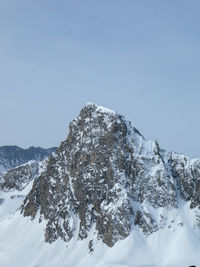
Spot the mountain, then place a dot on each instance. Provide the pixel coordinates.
(13, 156)
(106, 197)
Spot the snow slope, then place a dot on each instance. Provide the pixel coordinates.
(22, 245)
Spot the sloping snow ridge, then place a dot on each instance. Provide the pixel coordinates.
(106, 198)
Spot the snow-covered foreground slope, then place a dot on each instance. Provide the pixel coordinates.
(22, 244)
(106, 198)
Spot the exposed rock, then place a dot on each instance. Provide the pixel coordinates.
(186, 174)
(102, 178)
(18, 178)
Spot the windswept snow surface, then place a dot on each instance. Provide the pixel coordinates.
(22, 243)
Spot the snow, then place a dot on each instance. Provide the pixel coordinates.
(2, 169)
(27, 248)
(101, 108)
(22, 243)
(176, 243)
(12, 200)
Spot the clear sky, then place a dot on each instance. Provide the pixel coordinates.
(138, 57)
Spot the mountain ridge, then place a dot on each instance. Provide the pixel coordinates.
(13, 156)
(105, 169)
(108, 190)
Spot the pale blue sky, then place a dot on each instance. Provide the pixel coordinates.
(138, 57)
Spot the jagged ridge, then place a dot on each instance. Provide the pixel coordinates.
(103, 176)
(13, 156)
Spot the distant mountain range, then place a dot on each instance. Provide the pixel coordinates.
(13, 156)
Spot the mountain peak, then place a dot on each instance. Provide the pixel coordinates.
(95, 177)
(97, 108)
(106, 183)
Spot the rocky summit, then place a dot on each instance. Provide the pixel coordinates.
(105, 180)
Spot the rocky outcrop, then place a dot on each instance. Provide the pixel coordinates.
(186, 174)
(18, 178)
(103, 176)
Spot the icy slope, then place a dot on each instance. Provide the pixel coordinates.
(22, 244)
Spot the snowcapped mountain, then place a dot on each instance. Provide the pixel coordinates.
(13, 156)
(107, 197)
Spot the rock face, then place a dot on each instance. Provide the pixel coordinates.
(18, 178)
(103, 178)
(13, 156)
(16, 183)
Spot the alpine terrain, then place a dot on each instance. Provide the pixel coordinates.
(107, 197)
(13, 156)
